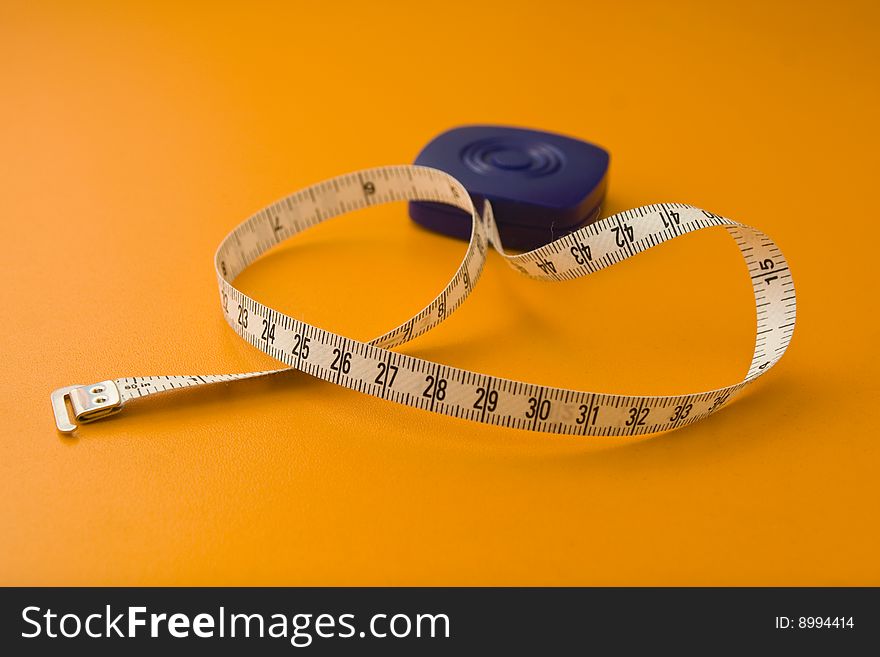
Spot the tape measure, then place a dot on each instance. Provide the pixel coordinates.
(373, 368)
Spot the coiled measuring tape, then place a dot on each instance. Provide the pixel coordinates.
(373, 368)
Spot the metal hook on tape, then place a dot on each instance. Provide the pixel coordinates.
(89, 403)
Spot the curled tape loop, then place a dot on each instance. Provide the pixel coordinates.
(372, 368)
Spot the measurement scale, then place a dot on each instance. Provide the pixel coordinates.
(375, 369)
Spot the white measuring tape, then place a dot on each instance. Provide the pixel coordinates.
(372, 368)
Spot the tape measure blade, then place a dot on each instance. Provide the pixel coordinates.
(372, 368)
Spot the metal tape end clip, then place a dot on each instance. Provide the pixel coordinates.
(89, 403)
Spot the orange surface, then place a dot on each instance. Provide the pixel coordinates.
(133, 138)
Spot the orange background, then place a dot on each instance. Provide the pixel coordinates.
(133, 138)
